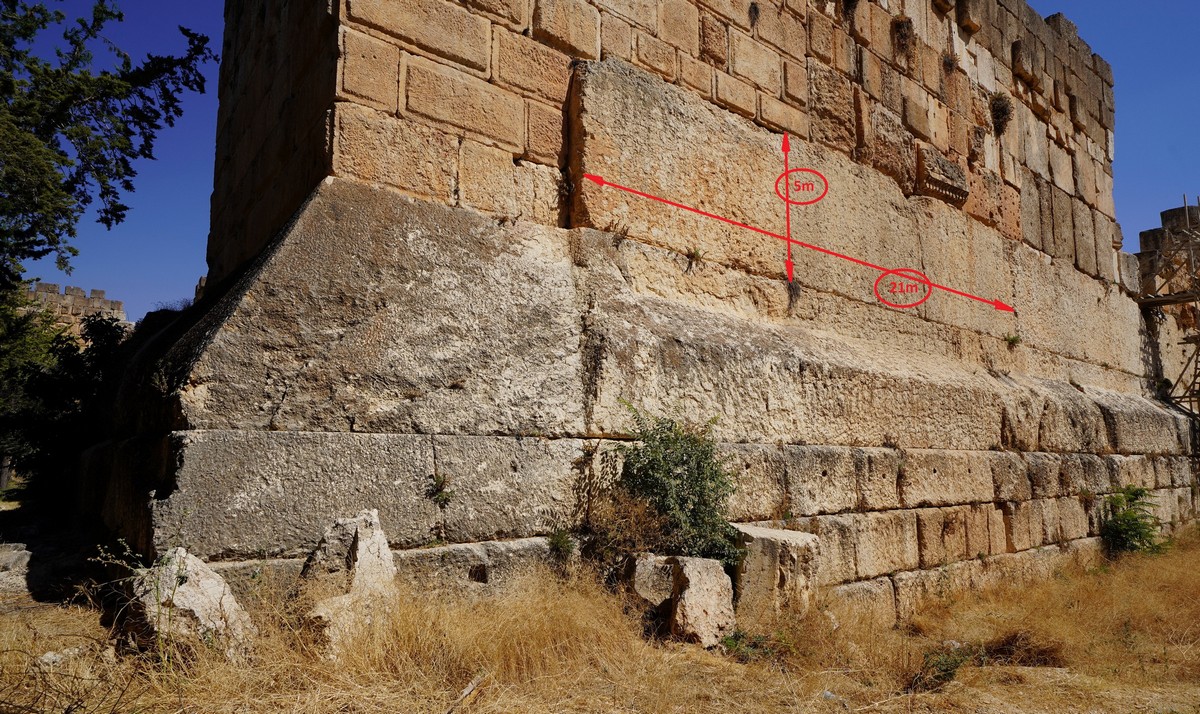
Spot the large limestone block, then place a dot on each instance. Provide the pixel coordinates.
(777, 573)
(768, 383)
(945, 478)
(376, 312)
(463, 567)
(1136, 425)
(634, 130)
(823, 479)
(872, 601)
(256, 493)
(760, 479)
(1065, 312)
(182, 600)
(886, 542)
(703, 601)
(505, 487)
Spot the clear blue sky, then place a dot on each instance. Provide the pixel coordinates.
(157, 255)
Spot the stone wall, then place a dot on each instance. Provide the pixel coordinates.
(70, 306)
(456, 302)
(463, 102)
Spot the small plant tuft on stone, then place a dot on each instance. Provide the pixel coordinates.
(1127, 525)
(620, 233)
(1012, 340)
(561, 544)
(794, 292)
(439, 491)
(949, 62)
(902, 29)
(1002, 111)
(695, 257)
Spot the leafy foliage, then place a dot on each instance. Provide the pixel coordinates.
(26, 338)
(675, 471)
(1002, 111)
(1128, 525)
(58, 399)
(68, 134)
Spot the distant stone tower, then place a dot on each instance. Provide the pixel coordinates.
(437, 257)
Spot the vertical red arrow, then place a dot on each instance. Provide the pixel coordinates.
(787, 204)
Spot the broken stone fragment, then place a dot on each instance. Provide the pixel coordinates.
(651, 578)
(355, 549)
(777, 573)
(702, 595)
(181, 599)
(940, 177)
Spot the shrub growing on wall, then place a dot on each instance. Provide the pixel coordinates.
(671, 494)
(1128, 526)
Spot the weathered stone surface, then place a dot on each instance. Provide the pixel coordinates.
(823, 479)
(703, 601)
(359, 371)
(944, 584)
(940, 178)
(180, 599)
(886, 542)
(652, 579)
(357, 550)
(871, 600)
(356, 547)
(468, 566)
(269, 493)
(505, 487)
(777, 574)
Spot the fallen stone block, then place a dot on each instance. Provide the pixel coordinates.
(358, 548)
(355, 549)
(652, 579)
(182, 600)
(777, 573)
(703, 601)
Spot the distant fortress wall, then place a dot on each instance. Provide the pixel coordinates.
(70, 306)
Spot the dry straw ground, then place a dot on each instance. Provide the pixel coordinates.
(1123, 639)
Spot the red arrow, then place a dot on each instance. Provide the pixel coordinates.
(998, 305)
(787, 204)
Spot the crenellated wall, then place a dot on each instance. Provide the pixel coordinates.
(424, 285)
(70, 306)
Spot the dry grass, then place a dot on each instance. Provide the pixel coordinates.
(1121, 640)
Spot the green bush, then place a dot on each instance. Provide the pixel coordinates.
(1127, 525)
(674, 469)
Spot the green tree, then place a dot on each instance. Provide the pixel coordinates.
(60, 401)
(27, 338)
(69, 132)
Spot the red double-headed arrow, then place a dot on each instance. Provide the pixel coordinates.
(600, 181)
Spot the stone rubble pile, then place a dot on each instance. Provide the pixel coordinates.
(694, 598)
